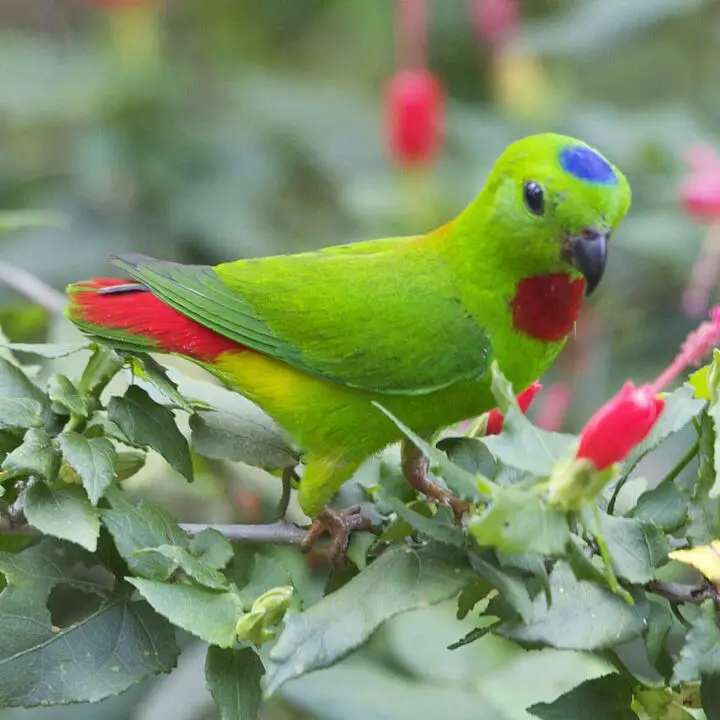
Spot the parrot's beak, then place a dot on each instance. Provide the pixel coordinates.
(588, 254)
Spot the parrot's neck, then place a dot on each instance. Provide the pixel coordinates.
(545, 307)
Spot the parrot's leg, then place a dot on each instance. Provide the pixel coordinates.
(339, 524)
(415, 468)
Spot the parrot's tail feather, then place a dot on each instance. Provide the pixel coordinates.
(129, 316)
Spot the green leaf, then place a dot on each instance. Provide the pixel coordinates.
(714, 413)
(103, 365)
(212, 548)
(151, 371)
(583, 616)
(661, 703)
(604, 698)
(666, 506)
(400, 580)
(471, 594)
(92, 459)
(127, 463)
(36, 456)
(14, 383)
(99, 654)
(147, 424)
(473, 635)
(660, 622)
(62, 391)
(64, 512)
(517, 521)
(233, 678)
(191, 566)
(207, 614)
(440, 527)
(512, 589)
(700, 655)
(680, 408)
(136, 527)
(636, 549)
(704, 511)
(470, 454)
(19, 219)
(358, 547)
(50, 351)
(255, 573)
(710, 696)
(523, 446)
(223, 435)
(20, 413)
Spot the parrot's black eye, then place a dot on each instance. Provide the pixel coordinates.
(534, 198)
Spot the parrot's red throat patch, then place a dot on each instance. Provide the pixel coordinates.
(140, 313)
(546, 306)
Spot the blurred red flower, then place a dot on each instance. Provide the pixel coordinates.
(494, 20)
(700, 191)
(495, 417)
(415, 117)
(619, 425)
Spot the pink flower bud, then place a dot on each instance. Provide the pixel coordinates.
(619, 425)
(494, 20)
(495, 417)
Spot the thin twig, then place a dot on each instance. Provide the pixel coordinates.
(288, 476)
(679, 593)
(32, 288)
(278, 533)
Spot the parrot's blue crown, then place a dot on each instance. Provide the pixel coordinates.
(586, 164)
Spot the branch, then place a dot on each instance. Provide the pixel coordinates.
(278, 533)
(679, 593)
(32, 288)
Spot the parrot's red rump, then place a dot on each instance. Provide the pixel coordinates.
(141, 313)
(546, 306)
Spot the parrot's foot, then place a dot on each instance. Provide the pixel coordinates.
(415, 469)
(338, 524)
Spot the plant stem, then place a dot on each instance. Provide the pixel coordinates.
(679, 593)
(287, 477)
(32, 288)
(277, 533)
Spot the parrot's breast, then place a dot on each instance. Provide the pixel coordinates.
(545, 307)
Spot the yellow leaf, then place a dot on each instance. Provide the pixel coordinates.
(705, 559)
(699, 382)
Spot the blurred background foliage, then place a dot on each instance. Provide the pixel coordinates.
(208, 131)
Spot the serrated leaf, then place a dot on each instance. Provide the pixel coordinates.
(635, 549)
(207, 614)
(714, 413)
(474, 635)
(700, 654)
(523, 446)
(233, 678)
(583, 616)
(680, 408)
(61, 390)
(469, 454)
(440, 527)
(147, 424)
(135, 527)
(511, 588)
(92, 459)
(64, 512)
(223, 435)
(604, 698)
(93, 657)
(50, 351)
(666, 506)
(661, 704)
(660, 622)
(471, 594)
(358, 547)
(704, 511)
(128, 462)
(212, 548)
(191, 566)
(398, 581)
(36, 456)
(20, 413)
(517, 521)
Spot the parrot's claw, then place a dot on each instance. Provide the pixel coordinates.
(338, 524)
(415, 469)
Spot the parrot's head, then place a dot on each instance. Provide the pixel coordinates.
(554, 203)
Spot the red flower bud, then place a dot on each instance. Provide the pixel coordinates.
(495, 417)
(619, 425)
(700, 192)
(415, 104)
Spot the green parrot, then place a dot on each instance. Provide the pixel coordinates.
(412, 323)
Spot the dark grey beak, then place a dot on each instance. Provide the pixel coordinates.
(588, 254)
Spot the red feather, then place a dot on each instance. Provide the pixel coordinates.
(141, 313)
(546, 306)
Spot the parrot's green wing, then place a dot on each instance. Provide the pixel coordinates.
(389, 321)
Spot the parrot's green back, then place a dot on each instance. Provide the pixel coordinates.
(410, 323)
